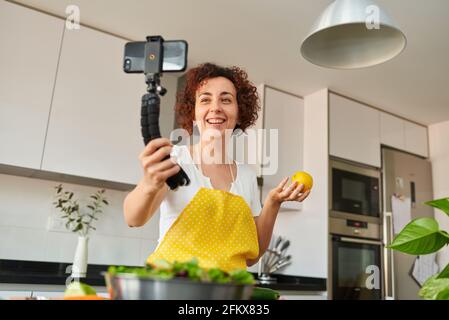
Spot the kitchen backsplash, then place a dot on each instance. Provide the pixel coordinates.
(25, 208)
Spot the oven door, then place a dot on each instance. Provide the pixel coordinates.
(356, 269)
(355, 193)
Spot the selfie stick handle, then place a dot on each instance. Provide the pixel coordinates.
(150, 130)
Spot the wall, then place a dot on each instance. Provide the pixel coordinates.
(439, 155)
(26, 205)
(307, 229)
(316, 162)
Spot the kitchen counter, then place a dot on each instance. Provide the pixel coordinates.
(294, 283)
(49, 273)
(16, 272)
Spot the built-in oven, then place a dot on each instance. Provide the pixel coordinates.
(355, 260)
(354, 191)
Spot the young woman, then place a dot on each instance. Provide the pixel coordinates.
(217, 218)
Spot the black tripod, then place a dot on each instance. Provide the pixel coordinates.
(150, 123)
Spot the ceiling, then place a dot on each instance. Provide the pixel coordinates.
(264, 38)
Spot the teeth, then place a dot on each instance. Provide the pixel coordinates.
(215, 121)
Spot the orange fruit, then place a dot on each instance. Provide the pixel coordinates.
(304, 178)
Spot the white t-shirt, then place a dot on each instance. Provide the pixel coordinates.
(175, 201)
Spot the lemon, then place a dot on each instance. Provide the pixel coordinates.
(303, 178)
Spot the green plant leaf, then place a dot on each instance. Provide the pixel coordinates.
(444, 273)
(442, 204)
(443, 294)
(420, 236)
(432, 288)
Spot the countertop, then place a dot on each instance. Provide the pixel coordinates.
(57, 273)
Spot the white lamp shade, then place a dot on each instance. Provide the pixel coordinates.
(352, 34)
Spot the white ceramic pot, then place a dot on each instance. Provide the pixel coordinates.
(79, 268)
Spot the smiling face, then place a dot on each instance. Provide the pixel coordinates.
(216, 105)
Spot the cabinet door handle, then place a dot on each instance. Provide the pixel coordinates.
(362, 241)
(389, 258)
(413, 193)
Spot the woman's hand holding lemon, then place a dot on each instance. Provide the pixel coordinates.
(298, 190)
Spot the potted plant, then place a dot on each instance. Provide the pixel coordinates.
(423, 236)
(79, 222)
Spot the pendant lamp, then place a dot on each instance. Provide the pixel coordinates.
(353, 34)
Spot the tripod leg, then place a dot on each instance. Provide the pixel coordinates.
(150, 130)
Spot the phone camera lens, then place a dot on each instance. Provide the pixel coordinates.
(127, 65)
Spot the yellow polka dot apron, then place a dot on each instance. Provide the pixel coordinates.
(216, 227)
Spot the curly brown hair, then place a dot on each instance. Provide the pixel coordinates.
(247, 97)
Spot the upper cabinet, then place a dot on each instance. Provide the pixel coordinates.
(416, 140)
(392, 131)
(403, 135)
(94, 128)
(354, 131)
(357, 132)
(30, 43)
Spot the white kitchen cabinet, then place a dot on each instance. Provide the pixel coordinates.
(354, 131)
(248, 146)
(403, 135)
(282, 153)
(392, 131)
(30, 43)
(416, 140)
(94, 126)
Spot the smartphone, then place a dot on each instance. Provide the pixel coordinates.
(174, 59)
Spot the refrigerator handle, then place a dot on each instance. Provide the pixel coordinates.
(413, 193)
(390, 293)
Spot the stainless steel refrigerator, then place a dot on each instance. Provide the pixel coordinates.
(409, 176)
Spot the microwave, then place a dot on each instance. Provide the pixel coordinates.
(354, 191)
